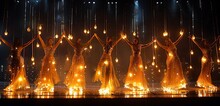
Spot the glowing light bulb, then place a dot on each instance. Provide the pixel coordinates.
(134, 33)
(116, 60)
(159, 70)
(193, 37)
(181, 33)
(70, 37)
(33, 63)
(124, 37)
(191, 52)
(40, 27)
(81, 67)
(145, 67)
(106, 62)
(218, 60)
(61, 41)
(20, 79)
(90, 46)
(155, 46)
(170, 54)
(56, 36)
(0, 43)
(99, 72)
(165, 33)
(190, 67)
(154, 57)
(6, 33)
(130, 74)
(39, 32)
(28, 29)
(53, 62)
(32, 58)
(204, 59)
(37, 45)
(104, 31)
(95, 26)
(141, 66)
(85, 31)
(153, 63)
(67, 58)
(156, 66)
(88, 32)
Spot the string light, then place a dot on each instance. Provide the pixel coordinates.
(165, 33)
(39, 32)
(218, 60)
(190, 67)
(56, 36)
(181, 32)
(191, 52)
(61, 41)
(90, 46)
(70, 37)
(33, 63)
(85, 31)
(193, 37)
(155, 46)
(67, 58)
(95, 26)
(134, 33)
(32, 58)
(145, 67)
(88, 31)
(104, 31)
(153, 63)
(6, 33)
(124, 37)
(0, 43)
(116, 60)
(28, 29)
(40, 27)
(37, 45)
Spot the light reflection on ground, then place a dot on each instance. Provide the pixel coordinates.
(120, 93)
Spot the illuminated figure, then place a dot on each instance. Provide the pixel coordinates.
(135, 79)
(16, 67)
(48, 75)
(105, 70)
(204, 79)
(173, 77)
(75, 78)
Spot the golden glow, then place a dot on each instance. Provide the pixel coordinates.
(90, 46)
(53, 62)
(37, 45)
(33, 63)
(204, 59)
(170, 54)
(0, 43)
(134, 33)
(56, 36)
(67, 58)
(81, 67)
(218, 60)
(141, 66)
(181, 32)
(154, 57)
(116, 60)
(20, 79)
(61, 41)
(6, 33)
(124, 36)
(145, 67)
(165, 33)
(105, 91)
(104, 31)
(159, 70)
(99, 73)
(70, 37)
(106, 62)
(193, 37)
(155, 46)
(191, 52)
(153, 63)
(39, 32)
(88, 32)
(85, 31)
(28, 29)
(130, 74)
(32, 58)
(190, 67)
(40, 27)
(95, 26)
(78, 80)
(45, 78)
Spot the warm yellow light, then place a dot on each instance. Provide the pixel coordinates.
(159, 70)
(53, 62)
(204, 59)
(116, 60)
(32, 58)
(37, 45)
(90, 46)
(61, 41)
(20, 79)
(155, 46)
(190, 67)
(45, 78)
(145, 67)
(6, 33)
(165, 33)
(95, 26)
(0, 43)
(67, 58)
(81, 67)
(33, 63)
(85, 31)
(70, 37)
(153, 63)
(141, 66)
(78, 80)
(40, 27)
(104, 31)
(39, 32)
(170, 54)
(56, 36)
(154, 57)
(76, 75)
(191, 52)
(99, 72)
(181, 32)
(28, 29)
(218, 60)
(134, 33)
(130, 74)
(88, 32)
(106, 62)
(124, 36)
(193, 37)
(156, 66)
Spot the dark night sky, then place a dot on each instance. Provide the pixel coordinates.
(81, 14)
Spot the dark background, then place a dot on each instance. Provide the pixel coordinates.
(152, 18)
